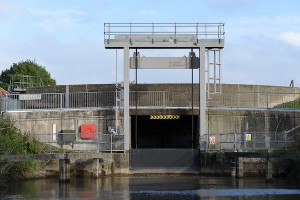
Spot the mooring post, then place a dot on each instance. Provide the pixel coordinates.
(64, 170)
(234, 167)
(269, 168)
(240, 167)
(96, 168)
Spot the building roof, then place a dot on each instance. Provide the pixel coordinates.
(3, 92)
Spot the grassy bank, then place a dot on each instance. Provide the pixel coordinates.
(13, 142)
(292, 104)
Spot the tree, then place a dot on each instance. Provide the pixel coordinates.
(26, 73)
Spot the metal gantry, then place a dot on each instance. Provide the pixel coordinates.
(201, 36)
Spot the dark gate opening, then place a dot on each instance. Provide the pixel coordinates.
(165, 133)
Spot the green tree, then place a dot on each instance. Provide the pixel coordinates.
(26, 73)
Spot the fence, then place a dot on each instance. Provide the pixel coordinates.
(74, 143)
(2, 104)
(159, 32)
(249, 141)
(159, 99)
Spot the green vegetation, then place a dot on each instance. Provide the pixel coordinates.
(27, 74)
(13, 142)
(295, 146)
(292, 104)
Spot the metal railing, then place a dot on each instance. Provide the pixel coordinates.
(55, 142)
(157, 32)
(157, 99)
(2, 104)
(249, 141)
(59, 101)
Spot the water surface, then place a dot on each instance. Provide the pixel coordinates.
(155, 188)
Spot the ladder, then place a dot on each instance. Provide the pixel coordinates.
(213, 70)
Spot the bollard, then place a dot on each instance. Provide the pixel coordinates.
(241, 167)
(95, 168)
(269, 168)
(64, 170)
(234, 167)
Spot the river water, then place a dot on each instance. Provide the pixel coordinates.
(155, 187)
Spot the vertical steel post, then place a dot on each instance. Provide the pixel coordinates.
(136, 97)
(111, 142)
(116, 94)
(202, 93)
(6, 103)
(208, 74)
(234, 142)
(215, 72)
(192, 66)
(61, 100)
(126, 99)
(67, 99)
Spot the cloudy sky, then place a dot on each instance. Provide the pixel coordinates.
(262, 42)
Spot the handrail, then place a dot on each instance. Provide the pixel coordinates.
(200, 30)
(159, 99)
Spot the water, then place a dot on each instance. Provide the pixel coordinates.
(155, 188)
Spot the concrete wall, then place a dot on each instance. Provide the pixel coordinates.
(235, 120)
(40, 125)
(162, 87)
(219, 121)
(220, 164)
(114, 163)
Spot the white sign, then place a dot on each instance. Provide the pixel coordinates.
(212, 140)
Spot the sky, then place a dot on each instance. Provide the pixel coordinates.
(262, 38)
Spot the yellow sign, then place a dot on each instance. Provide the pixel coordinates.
(164, 116)
(248, 137)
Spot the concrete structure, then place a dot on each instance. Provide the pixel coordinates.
(230, 112)
(93, 164)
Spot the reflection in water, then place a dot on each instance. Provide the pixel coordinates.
(154, 187)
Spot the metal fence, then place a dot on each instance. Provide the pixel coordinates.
(72, 142)
(162, 32)
(158, 99)
(49, 101)
(2, 104)
(249, 141)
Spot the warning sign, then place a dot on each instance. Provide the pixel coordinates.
(248, 137)
(164, 116)
(212, 140)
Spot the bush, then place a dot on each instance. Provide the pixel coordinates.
(13, 142)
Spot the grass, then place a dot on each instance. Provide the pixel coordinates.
(292, 104)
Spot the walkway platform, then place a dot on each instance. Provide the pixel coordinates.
(163, 35)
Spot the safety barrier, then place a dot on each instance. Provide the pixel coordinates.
(249, 141)
(2, 104)
(157, 99)
(162, 32)
(72, 142)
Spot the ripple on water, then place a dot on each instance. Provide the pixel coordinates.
(221, 192)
